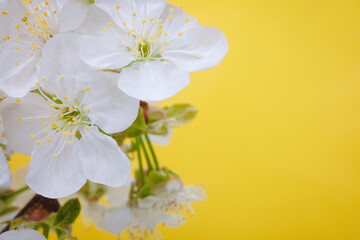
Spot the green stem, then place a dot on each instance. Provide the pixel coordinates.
(152, 152)
(141, 169)
(146, 154)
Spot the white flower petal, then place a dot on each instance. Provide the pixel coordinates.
(56, 177)
(30, 110)
(111, 109)
(180, 22)
(62, 73)
(172, 220)
(194, 193)
(18, 71)
(22, 234)
(5, 173)
(197, 49)
(117, 197)
(73, 14)
(153, 81)
(105, 52)
(102, 159)
(116, 221)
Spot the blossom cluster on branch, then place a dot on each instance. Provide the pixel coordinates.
(78, 82)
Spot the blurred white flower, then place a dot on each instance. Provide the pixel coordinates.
(25, 28)
(5, 173)
(141, 217)
(22, 234)
(156, 44)
(60, 129)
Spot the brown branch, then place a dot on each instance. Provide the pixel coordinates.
(37, 209)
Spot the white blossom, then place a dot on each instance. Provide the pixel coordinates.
(25, 28)
(154, 43)
(62, 129)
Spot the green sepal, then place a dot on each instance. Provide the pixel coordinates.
(138, 126)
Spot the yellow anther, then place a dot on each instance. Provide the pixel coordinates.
(49, 117)
(20, 119)
(18, 49)
(87, 89)
(51, 106)
(159, 22)
(134, 14)
(61, 78)
(66, 134)
(166, 42)
(124, 23)
(38, 142)
(69, 142)
(18, 100)
(56, 115)
(54, 98)
(66, 97)
(44, 124)
(53, 125)
(187, 20)
(55, 155)
(73, 133)
(105, 29)
(48, 139)
(32, 136)
(170, 17)
(59, 130)
(143, 21)
(76, 107)
(46, 3)
(133, 30)
(87, 127)
(151, 19)
(117, 7)
(17, 26)
(17, 63)
(180, 34)
(44, 132)
(27, 14)
(128, 33)
(45, 14)
(17, 37)
(42, 118)
(171, 10)
(37, 84)
(24, 19)
(69, 123)
(88, 110)
(71, 108)
(3, 12)
(110, 24)
(37, 8)
(62, 115)
(166, 33)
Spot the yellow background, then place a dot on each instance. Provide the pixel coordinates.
(277, 140)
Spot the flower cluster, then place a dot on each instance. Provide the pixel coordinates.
(77, 77)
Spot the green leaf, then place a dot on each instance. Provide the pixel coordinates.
(180, 114)
(68, 213)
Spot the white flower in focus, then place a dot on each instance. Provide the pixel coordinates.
(22, 234)
(25, 28)
(157, 43)
(62, 129)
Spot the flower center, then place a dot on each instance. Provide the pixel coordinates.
(65, 117)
